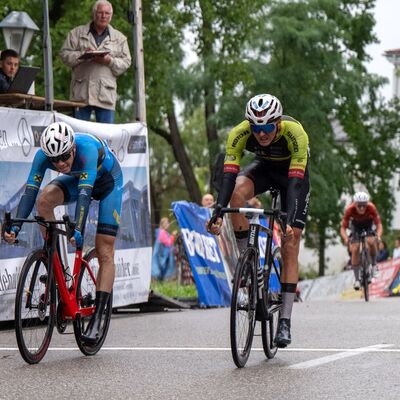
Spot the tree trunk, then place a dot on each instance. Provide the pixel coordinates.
(207, 56)
(183, 159)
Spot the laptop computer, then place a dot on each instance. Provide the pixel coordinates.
(23, 79)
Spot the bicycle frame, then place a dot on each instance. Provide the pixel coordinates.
(68, 295)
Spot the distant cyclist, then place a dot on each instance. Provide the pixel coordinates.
(280, 145)
(89, 170)
(362, 215)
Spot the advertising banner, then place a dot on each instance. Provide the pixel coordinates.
(388, 271)
(204, 254)
(19, 141)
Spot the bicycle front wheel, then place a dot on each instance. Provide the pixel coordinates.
(34, 308)
(85, 297)
(269, 327)
(365, 274)
(243, 307)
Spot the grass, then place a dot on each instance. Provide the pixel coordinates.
(172, 289)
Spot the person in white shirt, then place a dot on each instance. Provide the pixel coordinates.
(396, 250)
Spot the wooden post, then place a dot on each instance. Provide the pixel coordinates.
(139, 62)
(47, 59)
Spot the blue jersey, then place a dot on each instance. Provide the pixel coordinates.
(92, 165)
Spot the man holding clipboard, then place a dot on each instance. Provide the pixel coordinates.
(97, 54)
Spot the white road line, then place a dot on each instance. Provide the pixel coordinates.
(350, 353)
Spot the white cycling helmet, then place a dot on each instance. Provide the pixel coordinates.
(361, 197)
(263, 109)
(57, 139)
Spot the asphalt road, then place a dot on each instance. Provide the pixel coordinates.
(340, 350)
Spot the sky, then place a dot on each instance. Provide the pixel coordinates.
(387, 30)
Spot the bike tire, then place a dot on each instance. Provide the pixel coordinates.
(365, 272)
(243, 307)
(85, 296)
(34, 320)
(269, 327)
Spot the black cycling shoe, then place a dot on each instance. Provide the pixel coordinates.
(283, 337)
(92, 332)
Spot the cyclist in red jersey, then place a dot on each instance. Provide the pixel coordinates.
(363, 215)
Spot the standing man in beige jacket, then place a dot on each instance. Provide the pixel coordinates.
(97, 54)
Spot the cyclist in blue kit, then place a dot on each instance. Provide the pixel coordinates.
(89, 170)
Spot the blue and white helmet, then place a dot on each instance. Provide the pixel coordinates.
(57, 139)
(263, 109)
(360, 197)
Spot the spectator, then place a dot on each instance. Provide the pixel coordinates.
(9, 66)
(163, 262)
(94, 75)
(396, 250)
(208, 200)
(383, 253)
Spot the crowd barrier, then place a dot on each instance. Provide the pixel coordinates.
(19, 140)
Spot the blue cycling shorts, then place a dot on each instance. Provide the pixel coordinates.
(107, 189)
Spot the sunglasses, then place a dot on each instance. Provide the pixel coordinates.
(267, 128)
(63, 157)
(361, 206)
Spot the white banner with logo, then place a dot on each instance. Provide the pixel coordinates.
(20, 131)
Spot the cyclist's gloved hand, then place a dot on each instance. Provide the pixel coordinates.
(215, 223)
(9, 237)
(78, 238)
(15, 229)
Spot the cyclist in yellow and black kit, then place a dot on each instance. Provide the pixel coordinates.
(281, 150)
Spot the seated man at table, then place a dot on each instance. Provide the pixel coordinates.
(9, 60)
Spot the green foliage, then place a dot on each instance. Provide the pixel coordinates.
(172, 289)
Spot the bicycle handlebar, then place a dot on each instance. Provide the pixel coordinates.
(69, 225)
(219, 211)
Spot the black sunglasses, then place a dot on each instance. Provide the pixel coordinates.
(63, 157)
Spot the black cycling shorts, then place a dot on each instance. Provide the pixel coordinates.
(266, 175)
(356, 230)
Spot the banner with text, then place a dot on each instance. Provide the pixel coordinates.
(19, 141)
(204, 254)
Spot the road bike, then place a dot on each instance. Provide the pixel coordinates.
(252, 296)
(49, 295)
(365, 262)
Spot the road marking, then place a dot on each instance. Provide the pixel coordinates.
(348, 353)
(380, 348)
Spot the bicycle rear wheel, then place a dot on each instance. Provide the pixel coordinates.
(34, 317)
(85, 297)
(243, 307)
(269, 328)
(365, 274)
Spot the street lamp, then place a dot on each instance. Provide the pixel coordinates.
(18, 29)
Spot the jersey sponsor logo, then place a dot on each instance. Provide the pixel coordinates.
(296, 173)
(116, 217)
(231, 168)
(238, 137)
(230, 157)
(83, 176)
(294, 141)
(38, 178)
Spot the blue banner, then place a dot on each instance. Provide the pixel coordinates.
(203, 254)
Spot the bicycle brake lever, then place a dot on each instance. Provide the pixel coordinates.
(69, 226)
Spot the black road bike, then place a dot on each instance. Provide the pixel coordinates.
(252, 300)
(365, 262)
